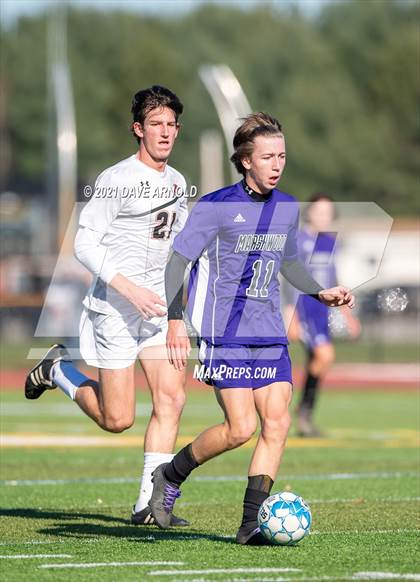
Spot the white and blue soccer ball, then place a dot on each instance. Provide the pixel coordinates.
(284, 518)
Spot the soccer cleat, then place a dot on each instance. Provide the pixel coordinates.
(38, 380)
(251, 535)
(163, 497)
(305, 425)
(145, 517)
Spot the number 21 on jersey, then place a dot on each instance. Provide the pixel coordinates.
(165, 221)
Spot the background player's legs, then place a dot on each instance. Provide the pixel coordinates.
(111, 402)
(320, 359)
(168, 398)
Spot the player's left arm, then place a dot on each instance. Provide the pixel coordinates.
(295, 272)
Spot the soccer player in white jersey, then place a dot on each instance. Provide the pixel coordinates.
(124, 238)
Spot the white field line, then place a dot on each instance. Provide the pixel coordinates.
(30, 556)
(354, 578)
(220, 571)
(356, 500)
(100, 480)
(322, 476)
(364, 500)
(215, 479)
(32, 542)
(35, 542)
(277, 579)
(90, 541)
(110, 564)
(312, 533)
(364, 532)
(384, 576)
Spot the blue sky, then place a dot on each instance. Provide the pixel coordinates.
(12, 9)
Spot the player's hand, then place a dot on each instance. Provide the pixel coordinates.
(147, 302)
(177, 343)
(337, 296)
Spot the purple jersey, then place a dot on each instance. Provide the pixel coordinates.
(316, 251)
(234, 289)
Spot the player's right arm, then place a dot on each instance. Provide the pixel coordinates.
(89, 249)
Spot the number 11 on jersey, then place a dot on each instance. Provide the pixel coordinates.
(253, 290)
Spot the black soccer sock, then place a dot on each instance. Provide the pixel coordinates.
(310, 391)
(181, 466)
(259, 487)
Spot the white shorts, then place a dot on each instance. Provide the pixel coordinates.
(115, 341)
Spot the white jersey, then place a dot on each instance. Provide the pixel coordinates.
(137, 211)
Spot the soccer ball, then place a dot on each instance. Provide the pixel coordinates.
(284, 518)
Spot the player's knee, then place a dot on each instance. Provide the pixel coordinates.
(169, 404)
(178, 402)
(325, 355)
(276, 428)
(330, 357)
(241, 433)
(117, 423)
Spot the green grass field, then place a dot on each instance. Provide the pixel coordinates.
(66, 507)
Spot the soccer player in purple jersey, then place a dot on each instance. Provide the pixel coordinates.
(316, 248)
(247, 232)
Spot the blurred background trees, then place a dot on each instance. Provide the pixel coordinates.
(345, 85)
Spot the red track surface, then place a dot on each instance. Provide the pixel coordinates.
(342, 376)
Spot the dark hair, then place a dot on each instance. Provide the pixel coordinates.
(151, 98)
(316, 197)
(252, 125)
